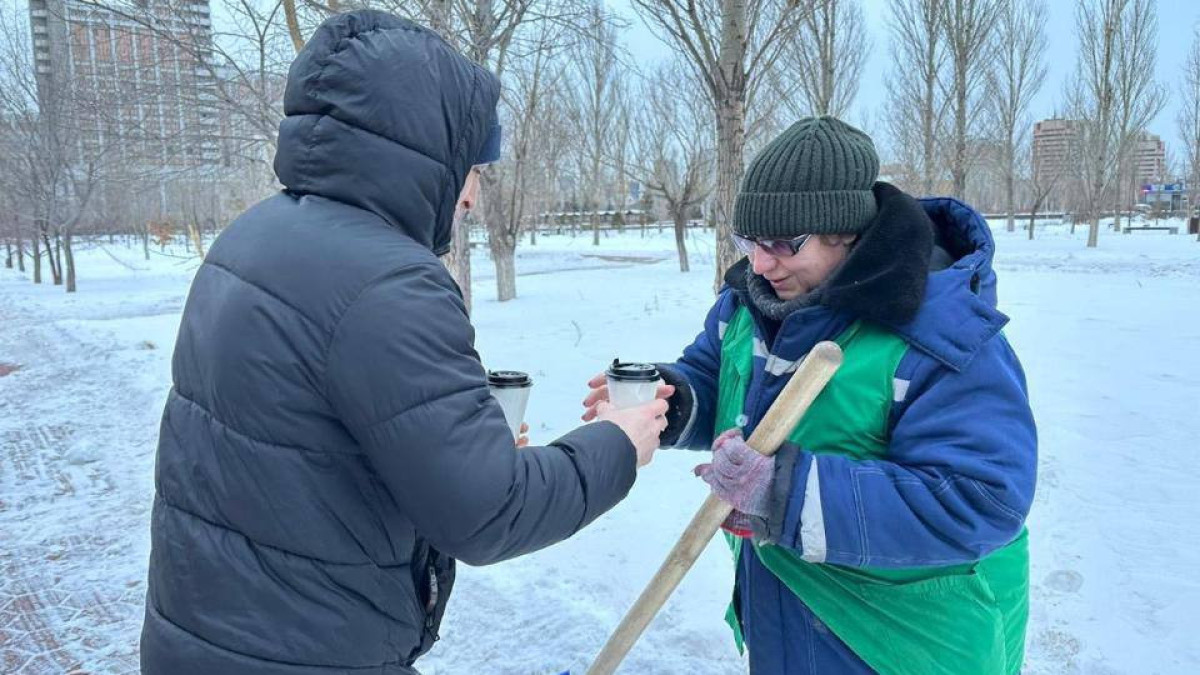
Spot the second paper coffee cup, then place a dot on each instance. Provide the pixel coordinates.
(511, 388)
(631, 384)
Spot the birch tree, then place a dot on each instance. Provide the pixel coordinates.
(1018, 73)
(916, 104)
(1140, 98)
(58, 138)
(1189, 124)
(525, 108)
(969, 26)
(826, 59)
(594, 70)
(729, 45)
(673, 148)
(1113, 95)
(490, 33)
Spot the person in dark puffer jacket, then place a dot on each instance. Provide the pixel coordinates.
(330, 445)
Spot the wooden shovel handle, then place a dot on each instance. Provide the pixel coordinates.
(785, 413)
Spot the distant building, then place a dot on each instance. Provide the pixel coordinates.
(1150, 159)
(160, 113)
(1056, 158)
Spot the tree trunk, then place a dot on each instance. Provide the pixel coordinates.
(595, 228)
(929, 121)
(293, 24)
(439, 18)
(959, 170)
(197, 239)
(8, 254)
(55, 274)
(1010, 198)
(20, 253)
(731, 127)
(57, 268)
(146, 243)
(37, 261)
(730, 168)
(1117, 198)
(70, 264)
(681, 239)
(458, 260)
(504, 258)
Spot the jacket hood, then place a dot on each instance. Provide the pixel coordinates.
(958, 313)
(382, 114)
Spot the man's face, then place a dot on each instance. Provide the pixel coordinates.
(469, 195)
(792, 276)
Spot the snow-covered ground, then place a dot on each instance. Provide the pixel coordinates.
(1110, 339)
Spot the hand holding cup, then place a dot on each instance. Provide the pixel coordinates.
(625, 385)
(643, 424)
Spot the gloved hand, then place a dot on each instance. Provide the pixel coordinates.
(742, 477)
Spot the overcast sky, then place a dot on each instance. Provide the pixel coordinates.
(1177, 19)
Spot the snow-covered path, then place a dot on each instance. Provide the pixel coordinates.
(1110, 340)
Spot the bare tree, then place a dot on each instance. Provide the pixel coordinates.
(968, 25)
(1189, 123)
(916, 106)
(490, 33)
(550, 159)
(1114, 94)
(826, 59)
(227, 78)
(1044, 180)
(58, 136)
(672, 144)
(525, 106)
(1139, 100)
(728, 45)
(595, 70)
(1018, 75)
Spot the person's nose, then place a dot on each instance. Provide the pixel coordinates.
(761, 261)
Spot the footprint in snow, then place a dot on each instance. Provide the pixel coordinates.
(1064, 581)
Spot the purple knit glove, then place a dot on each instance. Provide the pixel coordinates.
(741, 477)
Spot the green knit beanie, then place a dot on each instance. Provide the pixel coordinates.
(814, 178)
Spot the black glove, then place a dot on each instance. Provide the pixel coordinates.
(679, 405)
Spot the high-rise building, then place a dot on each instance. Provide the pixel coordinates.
(141, 92)
(1055, 149)
(1150, 159)
(1057, 156)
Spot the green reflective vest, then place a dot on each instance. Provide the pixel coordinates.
(957, 620)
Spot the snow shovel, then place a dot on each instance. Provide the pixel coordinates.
(798, 394)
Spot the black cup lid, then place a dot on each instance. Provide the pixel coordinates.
(508, 378)
(632, 372)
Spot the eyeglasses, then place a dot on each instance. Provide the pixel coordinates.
(780, 248)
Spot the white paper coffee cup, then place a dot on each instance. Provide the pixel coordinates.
(631, 384)
(511, 389)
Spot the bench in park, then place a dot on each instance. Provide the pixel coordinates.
(1171, 229)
